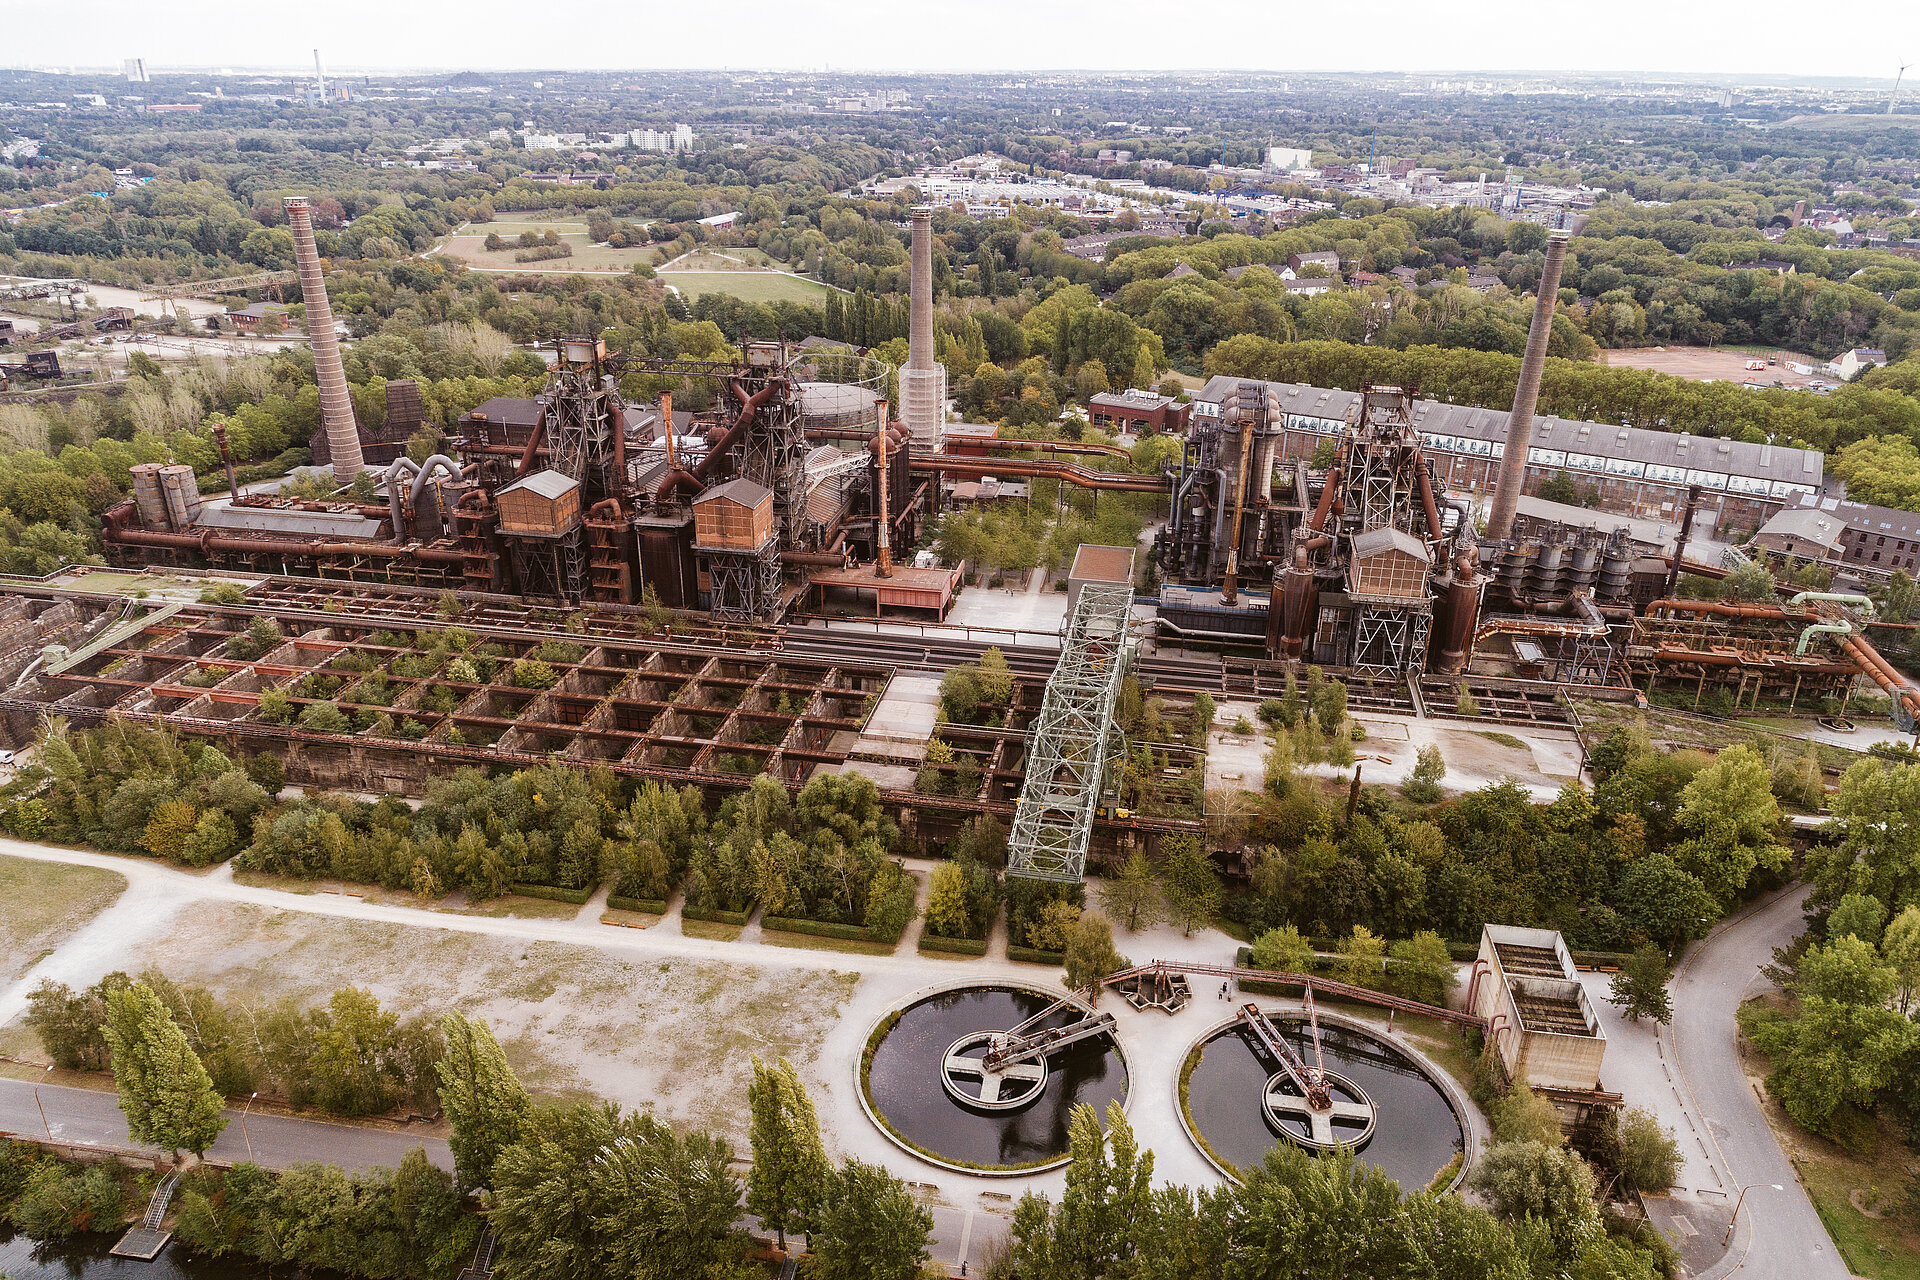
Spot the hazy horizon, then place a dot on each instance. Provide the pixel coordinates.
(1714, 38)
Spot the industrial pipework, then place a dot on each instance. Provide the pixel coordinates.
(1526, 394)
(336, 404)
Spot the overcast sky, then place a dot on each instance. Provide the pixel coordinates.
(1711, 36)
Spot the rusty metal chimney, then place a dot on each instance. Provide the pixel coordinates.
(336, 404)
(1513, 463)
(923, 383)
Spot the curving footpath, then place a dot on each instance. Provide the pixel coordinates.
(1778, 1235)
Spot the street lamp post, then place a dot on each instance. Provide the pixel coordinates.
(43, 1107)
(249, 1137)
(1728, 1238)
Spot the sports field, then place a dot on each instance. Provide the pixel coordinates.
(749, 286)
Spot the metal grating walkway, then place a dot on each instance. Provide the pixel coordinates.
(1073, 739)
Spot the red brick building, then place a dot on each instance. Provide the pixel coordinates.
(1143, 412)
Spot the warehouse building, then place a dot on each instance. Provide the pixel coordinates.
(1628, 470)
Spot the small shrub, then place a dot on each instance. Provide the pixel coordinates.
(531, 673)
(324, 717)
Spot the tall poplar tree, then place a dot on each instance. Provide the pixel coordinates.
(485, 1102)
(789, 1162)
(168, 1098)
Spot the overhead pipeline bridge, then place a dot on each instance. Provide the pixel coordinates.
(1073, 739)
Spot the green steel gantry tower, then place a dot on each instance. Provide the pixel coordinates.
(1073, 739)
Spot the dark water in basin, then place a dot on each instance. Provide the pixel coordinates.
(904, 1080)
(1417, 1132)
(84, 1257)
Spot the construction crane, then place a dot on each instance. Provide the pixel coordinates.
(172, 293)
(226, 284)
(1895, 95)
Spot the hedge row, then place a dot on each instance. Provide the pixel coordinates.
(1027, 955)
(652, 906)
(818, 928)
(553, 893)
(958, 946)
(692, 912)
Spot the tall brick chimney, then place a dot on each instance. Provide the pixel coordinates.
(336, 403)
(1513, 462)
(923, 383)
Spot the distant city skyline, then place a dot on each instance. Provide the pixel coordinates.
(1708, 37)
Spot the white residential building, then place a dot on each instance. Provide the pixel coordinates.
(680, 139)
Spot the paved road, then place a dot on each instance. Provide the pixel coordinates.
(92, 1117)
(1778, 1235)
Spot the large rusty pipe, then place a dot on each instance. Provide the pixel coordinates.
(1229, 586)
(1680, 539)
(1428, 506)
(883, 566)
(226, 456)
(533, 447)
(1327, 489)
(1720, 608)
(1526, 393)
(666, 419)
(207, 540)
(697, 478)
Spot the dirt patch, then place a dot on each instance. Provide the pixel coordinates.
(1472, 751)
(1719, 364)
(677, 1037)
(45, 903)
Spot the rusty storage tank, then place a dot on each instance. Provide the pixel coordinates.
(1513, 567)
(1616, 565)
(1546, 570)
(666, 559)
(149, 504)
(1457, 614)
(181, 493)
(1583, 566)
(1291, 611)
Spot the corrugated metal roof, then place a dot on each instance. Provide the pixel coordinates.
(217, 513)
(1661, 448)
(1805, 524)
(548, 484)
(740, 490)
(1387, 538)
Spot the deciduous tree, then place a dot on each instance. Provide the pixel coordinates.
(484, 1100)
(789, 1163)
(166, 1094)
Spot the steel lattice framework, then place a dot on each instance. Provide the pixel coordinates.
(1072, 740)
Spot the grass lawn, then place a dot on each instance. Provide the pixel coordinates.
(750, 286)
(630, 919)
(44, 903)
(1843, 1189)
(809, 942)
(470, 247)
(713, 930)
(1857, 1197)
(1504, 739)
(513, 904)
